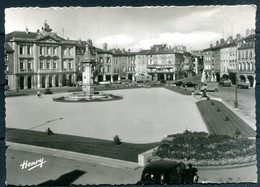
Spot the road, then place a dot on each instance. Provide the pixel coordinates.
(64, 171)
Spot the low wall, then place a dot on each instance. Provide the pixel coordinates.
(144, 157)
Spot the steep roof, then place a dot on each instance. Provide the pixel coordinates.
(142, 52)
(8, 48)
(20, 34)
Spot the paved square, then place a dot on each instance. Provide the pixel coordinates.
(144, 115)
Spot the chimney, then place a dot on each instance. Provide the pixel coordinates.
(27, 30)
(247, 32)
(221, 41)
(217, 43)
(252, 31)
(238, 36)
(105, 46)
(211, 45)
(230, 39)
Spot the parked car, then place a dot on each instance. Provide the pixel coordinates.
(165, 172)
(242, 84)
(47, 91)
(209, 86)
(224, 82)
(189, 84)
(178, 83)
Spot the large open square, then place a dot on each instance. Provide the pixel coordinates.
(142, 116)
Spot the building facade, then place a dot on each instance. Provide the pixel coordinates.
(41, 59)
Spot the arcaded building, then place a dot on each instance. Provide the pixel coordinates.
(39, 59)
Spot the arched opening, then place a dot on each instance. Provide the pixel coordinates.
(251, 80)
(50, 81)
(21, 82)
(43, 81)
(242, 78)
(115, 77)
(57, 81)
(100, 78)
(130, 76)
(64, 80)
(29, 82)
(232, 77)
(218, 77)
(69, 80)
(225, 76)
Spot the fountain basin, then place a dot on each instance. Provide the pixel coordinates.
(81, 97)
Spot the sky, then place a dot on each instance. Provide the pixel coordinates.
(138, 28)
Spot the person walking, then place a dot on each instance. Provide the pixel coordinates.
(191, 175)
(38, 93)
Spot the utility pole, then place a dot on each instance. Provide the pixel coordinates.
(236, 103)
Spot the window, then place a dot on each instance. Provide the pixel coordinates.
(29, 65)
(70, 51)
(48, 50)
(55, 51)
(54, 64)
(21, 65)
(101, 60)
(21, 49)
(6, 67)
(41, 65)
(65, 52)
(6, 57)
(41, 50)
(70, 65)
(65, 64)
(29, 50)
(48, 64)
(108, 60)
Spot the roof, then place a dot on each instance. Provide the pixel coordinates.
(221, 46)
(8, 48)
(20, 34)
(142, 52)
(159, 49)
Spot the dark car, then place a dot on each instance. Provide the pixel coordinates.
(164, 172)
(189, 84)
(47, 91)
(242, 85)
(178, 83)
(225, 83)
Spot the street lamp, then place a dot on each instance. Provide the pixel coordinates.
(235, 102)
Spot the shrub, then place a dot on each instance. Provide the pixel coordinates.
(117, 140)
(207, 149)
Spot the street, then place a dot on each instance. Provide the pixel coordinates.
(64, 171)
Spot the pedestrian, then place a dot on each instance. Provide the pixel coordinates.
(191, 175)
(38, 93)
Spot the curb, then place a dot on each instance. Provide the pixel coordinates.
(74, 155)
(227, 166)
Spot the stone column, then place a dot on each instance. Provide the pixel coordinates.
(165, 77)
(47, 81)
(111, 78)
(133, 77)
(53, 83)
(87, 86)
(60, 81)
(38, 81)
(25, 82)
(119, 77)
(104, 77)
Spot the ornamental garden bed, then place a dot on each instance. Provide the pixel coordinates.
(179, 90)
(203, 149)
(221, 120)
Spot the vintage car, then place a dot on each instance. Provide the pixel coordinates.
(165, 172)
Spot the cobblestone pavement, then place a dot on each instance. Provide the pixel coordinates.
(69, 171)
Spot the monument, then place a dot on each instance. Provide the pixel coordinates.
(88, 61)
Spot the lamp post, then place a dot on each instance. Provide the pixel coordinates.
(235, 102)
